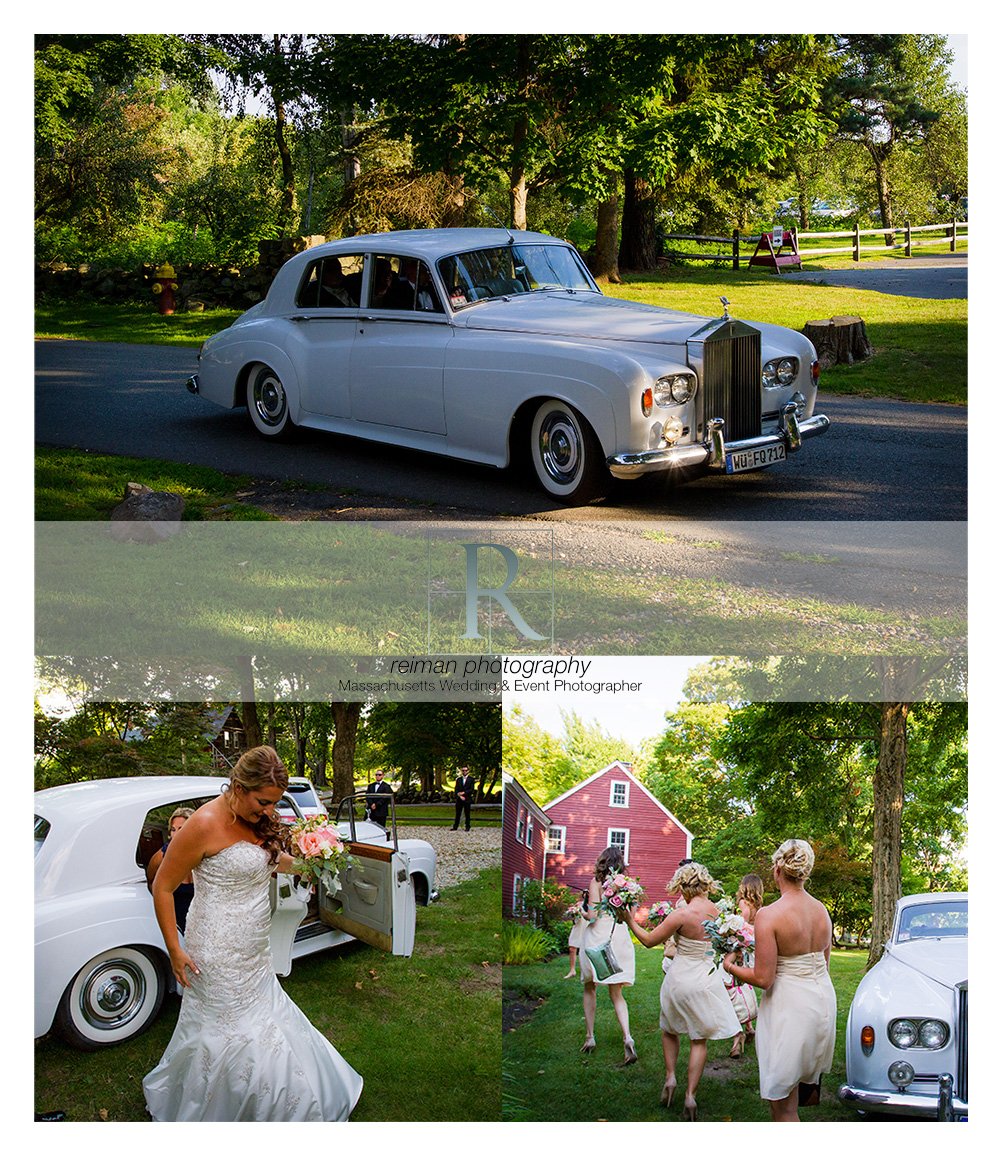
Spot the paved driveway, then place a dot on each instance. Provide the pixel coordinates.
(944, 275)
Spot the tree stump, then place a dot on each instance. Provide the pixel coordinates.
(839, 340)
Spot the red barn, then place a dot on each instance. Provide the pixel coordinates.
(523, 839)
(613, 807)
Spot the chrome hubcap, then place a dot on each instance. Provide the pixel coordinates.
(112, 994)
(269, 399)
(559, 443)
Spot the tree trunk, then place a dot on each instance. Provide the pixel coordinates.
(346, 717)
(890, 774)
(605, 261)
(880, 158)
(248, 706)
(638, 250)
(839, 340)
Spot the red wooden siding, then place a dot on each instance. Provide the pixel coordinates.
(518, 859)
(657, 841)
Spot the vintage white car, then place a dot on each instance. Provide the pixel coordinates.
(498, 347)
(101, 969)
(908, 1026)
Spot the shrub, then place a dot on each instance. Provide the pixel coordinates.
(523, 944)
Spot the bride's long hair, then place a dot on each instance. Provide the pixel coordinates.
(256, 768)
(611, 860)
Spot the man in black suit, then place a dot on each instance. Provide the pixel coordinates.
(377, 800)
(465, 786)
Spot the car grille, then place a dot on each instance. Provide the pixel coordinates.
(731, 379)
(962, 1076)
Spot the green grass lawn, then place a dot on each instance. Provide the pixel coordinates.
(127, 322)
(386, 1015)
(547, 1078)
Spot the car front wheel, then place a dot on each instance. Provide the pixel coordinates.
(566, 455)
(114, 997)
(268, 403)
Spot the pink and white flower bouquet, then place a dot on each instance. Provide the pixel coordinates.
(618, 893)
(658, 912)
(575, 911)
(318, 850)
(727, 932)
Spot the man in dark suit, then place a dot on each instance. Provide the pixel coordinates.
(377, 800)
(465, 787)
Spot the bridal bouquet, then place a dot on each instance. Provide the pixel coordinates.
(658, 912)
(727, 932)
(318, 850)
(618, 893)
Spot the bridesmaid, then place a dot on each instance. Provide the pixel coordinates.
(599, 929)
(797, 1025)
(693, 1000)
(576, 936)
(749, 900)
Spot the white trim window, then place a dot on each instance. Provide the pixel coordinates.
(556, 841)
(515, 898)
(519, 834)
(619, 838)
(619, 793)
(529, 833)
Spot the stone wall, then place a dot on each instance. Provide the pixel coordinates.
(198, 286)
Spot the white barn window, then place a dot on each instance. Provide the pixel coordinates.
(556, 842)
(619, 838)
(619, 793)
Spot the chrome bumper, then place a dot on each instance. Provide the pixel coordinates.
(712, 454)
(192, 384)
(944, 1106)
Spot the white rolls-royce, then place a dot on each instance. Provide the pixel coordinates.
(498, 347)
(908, 1027)
(101, 967)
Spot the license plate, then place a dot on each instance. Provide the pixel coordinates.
(740, 460)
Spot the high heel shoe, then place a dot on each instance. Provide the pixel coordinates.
(737, 1049)
(690, 1108)
(669, 1088)
(589, 1045)
(630, 1054)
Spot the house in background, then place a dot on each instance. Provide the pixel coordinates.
(613, 808)
(226, 738)
(523, 837)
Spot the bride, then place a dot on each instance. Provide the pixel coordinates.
(797, 1024)
(241, 1050)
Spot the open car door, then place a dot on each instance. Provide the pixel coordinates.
(374, 900)
(289, 901)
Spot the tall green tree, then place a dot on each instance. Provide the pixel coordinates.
(887, 91)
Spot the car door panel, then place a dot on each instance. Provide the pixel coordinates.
(375, 900)
(288, 908)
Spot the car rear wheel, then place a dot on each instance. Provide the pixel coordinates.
(268, 403)
(566, 455)
(114, 997)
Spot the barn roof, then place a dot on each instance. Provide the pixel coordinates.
(625, 769)
(522, 793)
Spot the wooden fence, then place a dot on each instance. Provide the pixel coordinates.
(734, 252)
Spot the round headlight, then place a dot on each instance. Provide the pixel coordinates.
(900, 1073)
(787, 368)
(681, 387)
(769, 374)
(661, 392)
(933, 1034)
(903, 1033)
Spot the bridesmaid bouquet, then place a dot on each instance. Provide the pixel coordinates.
(658, 912)
(575, 911)
(618, 893)
(727, 932)
(318, 850)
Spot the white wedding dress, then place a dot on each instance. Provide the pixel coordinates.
(242, 1050)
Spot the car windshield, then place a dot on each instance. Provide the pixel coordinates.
(933, 920)
(506, 270)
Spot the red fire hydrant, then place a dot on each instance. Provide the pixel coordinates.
(164, 287)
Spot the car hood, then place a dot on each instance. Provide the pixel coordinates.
(581, 315)
(945, 960)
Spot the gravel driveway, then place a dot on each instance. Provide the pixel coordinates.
(461, 855)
